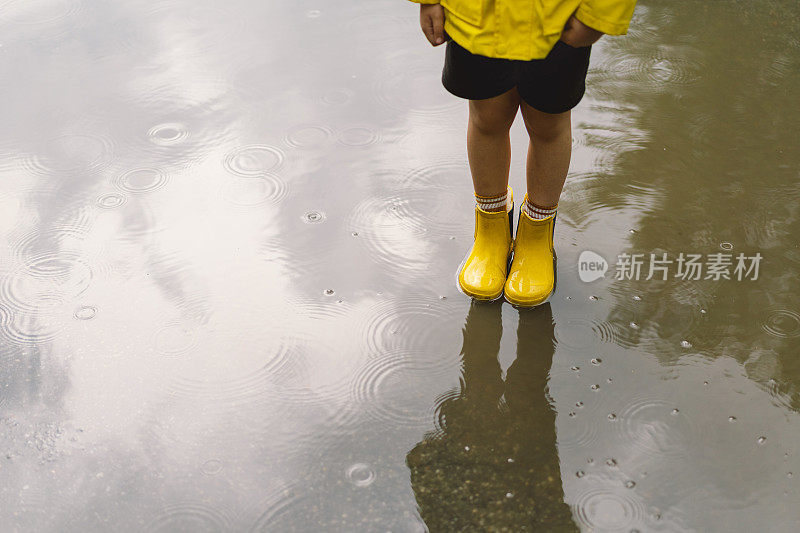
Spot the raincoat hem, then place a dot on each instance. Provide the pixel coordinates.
(609, 28)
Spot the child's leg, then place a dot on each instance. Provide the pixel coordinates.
(531, 278)
(483, 273)
(548, 154)
(488, 142)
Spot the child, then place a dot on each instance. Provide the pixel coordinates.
(504, 56)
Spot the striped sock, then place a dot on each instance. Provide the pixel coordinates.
(537, 212)
(493, 203)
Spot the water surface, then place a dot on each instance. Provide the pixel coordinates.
(228, 241)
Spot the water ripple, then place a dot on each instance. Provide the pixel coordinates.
(317, 309)
(599, 509)
(168, 134)
(254, 191)
(254, 160)
(37, 241)
(190, 361)
(782, 323)
(194, 517)
(337, 97)
(391, 240)
(305, 392)
(234, 388)
(440, 412)
(40, 12)
(358, 136)
(667, 318)
(313, 217)
(211, 467)
(5, 316)
(110, 200)
(434, 198)
(394, 324)
(584, 333)
(408, 89)
(177, 124)
(579, 431)
(657, 428)
(392, 389)
(25, 328)
(659, 69)
(46, 281)
(308, 136)
(86, 153)
(175, 338)
(280, 512)
(85, 312)
(141, 180)
(677, 321)
(361, 475)
(398, 228)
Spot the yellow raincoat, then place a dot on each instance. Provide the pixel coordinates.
(526, 29)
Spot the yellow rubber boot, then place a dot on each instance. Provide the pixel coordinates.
(531, 278)
(483, 272)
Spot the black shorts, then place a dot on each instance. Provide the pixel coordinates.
(552, 85)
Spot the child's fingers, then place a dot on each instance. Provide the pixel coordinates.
(438, 29)
(578, 34)
(435, 33)
(427, 29)
(432, 22)
(426, 24)
(566, 36)
(438, 35)
(579, 38)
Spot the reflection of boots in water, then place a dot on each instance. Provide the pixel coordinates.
(494, 468)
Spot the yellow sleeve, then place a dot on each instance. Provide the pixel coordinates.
(608, 16)
(425, 1)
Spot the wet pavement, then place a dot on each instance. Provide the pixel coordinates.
(228, 241)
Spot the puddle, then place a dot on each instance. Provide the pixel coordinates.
(228, 243)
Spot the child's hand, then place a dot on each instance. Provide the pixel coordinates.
(431, 18)
(578, 34)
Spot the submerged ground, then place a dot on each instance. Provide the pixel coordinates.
(228, 241)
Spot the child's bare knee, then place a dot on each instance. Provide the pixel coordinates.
(491, 120)
(547, 127)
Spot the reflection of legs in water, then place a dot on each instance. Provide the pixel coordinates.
(454, 474)
(482, 384)
(494, 468)
(533, 420)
